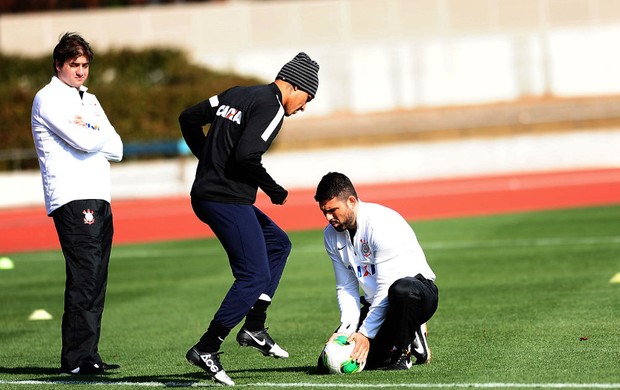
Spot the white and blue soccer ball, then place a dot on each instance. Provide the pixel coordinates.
(336, 357)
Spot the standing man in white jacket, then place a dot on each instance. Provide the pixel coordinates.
(75, 143)
(373, 248)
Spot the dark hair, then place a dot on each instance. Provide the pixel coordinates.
(334, 185)
(71, 45)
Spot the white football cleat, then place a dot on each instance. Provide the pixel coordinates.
(419, 348)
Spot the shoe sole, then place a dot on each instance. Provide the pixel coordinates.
(425, 330)
(267, 354)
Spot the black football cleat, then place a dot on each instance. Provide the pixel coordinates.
(401, 360)
(84, 369)
(260, 340)
(210, 363)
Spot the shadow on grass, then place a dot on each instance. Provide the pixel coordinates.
(30, 370)
(53, 375)
(300, 369)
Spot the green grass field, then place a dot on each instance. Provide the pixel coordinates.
(525, 301)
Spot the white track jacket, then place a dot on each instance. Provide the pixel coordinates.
(74, 159)
(384, 249)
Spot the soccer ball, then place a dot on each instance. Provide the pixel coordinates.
(336, 357)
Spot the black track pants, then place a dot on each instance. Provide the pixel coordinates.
(412, 302)
(85, 231)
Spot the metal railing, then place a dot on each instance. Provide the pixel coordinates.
(25, 158)
(15, 159)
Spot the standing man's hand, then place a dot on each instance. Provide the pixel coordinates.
(279, 202)
(279, 197)
(362, 347)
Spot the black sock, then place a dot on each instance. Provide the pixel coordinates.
(213, 338)
(255, 319)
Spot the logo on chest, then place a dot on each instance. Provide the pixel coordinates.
(230, 113)
(364, 270)
(366, 252)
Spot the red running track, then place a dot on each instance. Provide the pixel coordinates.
(149, 220)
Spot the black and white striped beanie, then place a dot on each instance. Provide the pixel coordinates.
(302, 72)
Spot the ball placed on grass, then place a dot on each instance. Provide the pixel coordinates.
(336, 357)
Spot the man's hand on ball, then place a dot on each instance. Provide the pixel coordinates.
(362, 347)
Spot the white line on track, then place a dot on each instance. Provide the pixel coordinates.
(131, 253)
(449, 385)
(538, 242)
(335, 385)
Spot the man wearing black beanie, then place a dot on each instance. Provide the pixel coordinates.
(244, 121)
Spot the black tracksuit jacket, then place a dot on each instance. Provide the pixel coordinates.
(244, 122)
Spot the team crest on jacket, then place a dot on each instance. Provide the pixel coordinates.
(366, 248)
(89, 216)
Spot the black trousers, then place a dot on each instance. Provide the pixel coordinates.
(257, 252)
(412, 302)
(85, 231)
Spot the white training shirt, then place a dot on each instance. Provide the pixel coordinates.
(74, 159)
(384, 249)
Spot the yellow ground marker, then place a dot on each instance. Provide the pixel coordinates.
(616, 278)
(6, 263)
(39, 315)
